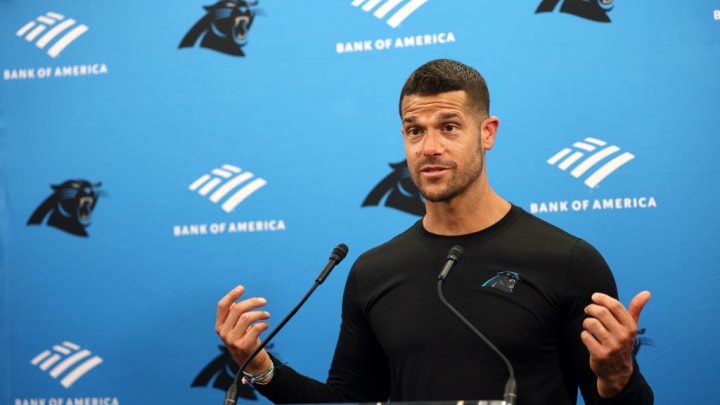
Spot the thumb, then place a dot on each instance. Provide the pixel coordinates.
(637, 304)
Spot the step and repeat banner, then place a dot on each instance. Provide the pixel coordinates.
(153, 155)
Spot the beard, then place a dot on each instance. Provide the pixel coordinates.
(460, 181)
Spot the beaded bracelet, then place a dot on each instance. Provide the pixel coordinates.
(252, 379)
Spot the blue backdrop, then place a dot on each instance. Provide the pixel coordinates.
(155, 155)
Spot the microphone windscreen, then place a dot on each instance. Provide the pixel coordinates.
(339, 252)
(455, 253)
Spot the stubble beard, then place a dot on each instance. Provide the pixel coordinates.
(456, 185)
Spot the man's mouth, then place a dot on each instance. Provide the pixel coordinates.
(433, 170)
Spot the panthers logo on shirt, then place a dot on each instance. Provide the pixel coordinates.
(595, 10)
(224, 28)
(504, 281)
(69, 208)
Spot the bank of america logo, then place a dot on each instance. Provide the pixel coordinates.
(227, 181)
(396, 11)
(52, 28)
(66, 361)
(592, 157)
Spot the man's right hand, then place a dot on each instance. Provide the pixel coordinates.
(239, 325)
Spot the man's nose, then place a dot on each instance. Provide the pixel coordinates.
(433, 144)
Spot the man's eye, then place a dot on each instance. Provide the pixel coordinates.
(413, 131)
(450, 127)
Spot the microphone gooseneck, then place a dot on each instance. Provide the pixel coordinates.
(337, 255)
(454, 255)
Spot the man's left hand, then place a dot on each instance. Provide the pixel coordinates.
(609, 334)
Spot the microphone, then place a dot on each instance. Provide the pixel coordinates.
(335, 258)
(454, 255)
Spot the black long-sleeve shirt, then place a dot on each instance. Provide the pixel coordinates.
(522, 282)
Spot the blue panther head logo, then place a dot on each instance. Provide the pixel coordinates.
(398, 191)
(504, 281)
(224, 28)
(69, 207)
(595, 10)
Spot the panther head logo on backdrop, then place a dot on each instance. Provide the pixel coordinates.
(224, 28)
(69, 208)
(595, 10)
(397, 191)
(221, 371)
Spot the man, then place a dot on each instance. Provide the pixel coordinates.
(552, 311)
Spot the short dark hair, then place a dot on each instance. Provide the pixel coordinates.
(443, 75)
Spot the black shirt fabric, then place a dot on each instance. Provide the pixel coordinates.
(522, 282)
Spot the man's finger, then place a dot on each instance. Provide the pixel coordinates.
(253, 332)
(637, 304)
(225, 303)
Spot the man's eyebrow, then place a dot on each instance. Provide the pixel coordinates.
(446, 116)
(443, 116)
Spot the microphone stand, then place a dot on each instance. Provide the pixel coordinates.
(337, 255)
(454, 255)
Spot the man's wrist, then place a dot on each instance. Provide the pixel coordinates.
(610, 387)
(261, 378)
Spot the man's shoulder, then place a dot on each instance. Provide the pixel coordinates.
(402, 241)
(531, 224)
(530, 231)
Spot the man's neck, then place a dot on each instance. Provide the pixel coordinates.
(462, 216)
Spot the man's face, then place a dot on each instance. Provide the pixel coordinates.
(445, 143)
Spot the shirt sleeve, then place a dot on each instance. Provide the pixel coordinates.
(588, 273)
(359, 371)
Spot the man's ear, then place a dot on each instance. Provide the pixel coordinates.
(488, 131)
